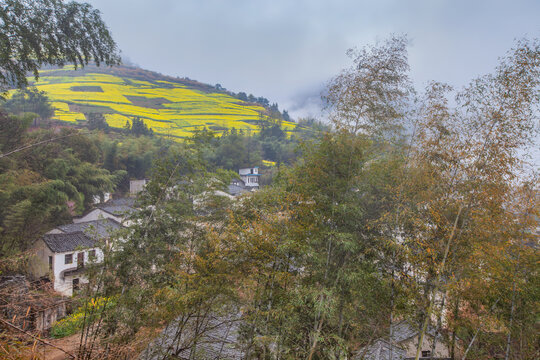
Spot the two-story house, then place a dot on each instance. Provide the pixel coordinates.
(250, 177)
(62, 257)
(61, 254)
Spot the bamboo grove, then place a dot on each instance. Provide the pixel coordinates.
(416, 205)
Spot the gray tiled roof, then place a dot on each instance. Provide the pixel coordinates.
(236, 190)
(119, 207)
(126, 201)
(381, 350)
(117, 210)
(403, 331)
(219, 341)
(68, 242)
(97, 229)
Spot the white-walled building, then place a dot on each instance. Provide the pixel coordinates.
(250, 177)
(136, 186)
(62, 253)
(99, 214)
(103, 198)
(63, 257)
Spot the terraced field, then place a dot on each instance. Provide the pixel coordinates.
(171, 107)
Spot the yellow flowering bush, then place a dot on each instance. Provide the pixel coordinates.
(74, 322)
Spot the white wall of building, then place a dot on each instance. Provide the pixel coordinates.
(65, 286)
(250, 177)
(247, 171)
(97, 199)
(136, 186)
(250, 181)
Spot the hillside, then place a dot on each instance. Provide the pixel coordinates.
(170, 106)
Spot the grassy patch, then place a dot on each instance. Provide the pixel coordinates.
(153, 103)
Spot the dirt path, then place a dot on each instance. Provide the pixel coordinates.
(69, 344)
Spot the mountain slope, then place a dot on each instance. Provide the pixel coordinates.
(170, 106)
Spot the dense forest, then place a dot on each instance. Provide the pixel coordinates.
(371, 225)
(406, 207)
(63, 169)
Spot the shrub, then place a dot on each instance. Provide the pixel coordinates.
(74, 322)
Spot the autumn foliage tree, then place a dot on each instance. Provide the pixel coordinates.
(414, 207)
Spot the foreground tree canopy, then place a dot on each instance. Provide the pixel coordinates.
(415, 207)
(34, 33)
(409, 209)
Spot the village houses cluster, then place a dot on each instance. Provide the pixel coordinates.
(61, 254)
(59, 259)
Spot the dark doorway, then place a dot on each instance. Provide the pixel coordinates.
(75, 284)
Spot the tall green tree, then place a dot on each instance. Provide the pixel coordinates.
(46, 185)
(468, 157)
(12, 130)
(169, 268)
(97, 121)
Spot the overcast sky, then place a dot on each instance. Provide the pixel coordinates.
(287, 50)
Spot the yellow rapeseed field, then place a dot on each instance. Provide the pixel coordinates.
(169, 108)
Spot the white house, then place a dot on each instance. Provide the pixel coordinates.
(250, 177)
(62, 253)
(62, 258)
(99, 199)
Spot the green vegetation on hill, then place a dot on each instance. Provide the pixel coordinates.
(364, 230)
(47, 175)
(46, 184)
(171, 107)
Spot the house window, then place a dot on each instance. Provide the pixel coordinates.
(68, 259)
(92, 254)
(50, 262)
(426, 353)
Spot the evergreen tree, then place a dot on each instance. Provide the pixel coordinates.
(138, 128)
(29, 100)
(96, 121)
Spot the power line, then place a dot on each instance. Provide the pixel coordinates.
(40, 143)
